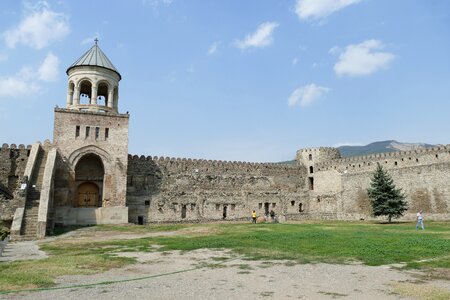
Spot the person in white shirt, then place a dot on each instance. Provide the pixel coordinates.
(419, 220)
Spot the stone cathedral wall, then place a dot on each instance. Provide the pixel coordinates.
(169, 189)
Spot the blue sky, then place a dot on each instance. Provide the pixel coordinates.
(237, 80)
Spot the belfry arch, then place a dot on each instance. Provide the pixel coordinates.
(85, 87)
(89, 178)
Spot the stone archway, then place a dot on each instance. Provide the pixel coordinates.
(89, 176)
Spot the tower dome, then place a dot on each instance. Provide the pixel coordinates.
(93, 83)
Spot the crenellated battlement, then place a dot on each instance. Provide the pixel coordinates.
(398, 159)
(312, 156)
(7, 147)
(315, 150)
(209, 163)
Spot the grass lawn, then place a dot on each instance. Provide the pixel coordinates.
(331, 242)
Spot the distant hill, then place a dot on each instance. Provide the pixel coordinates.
(381, 147)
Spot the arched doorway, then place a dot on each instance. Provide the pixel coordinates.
(89, 173)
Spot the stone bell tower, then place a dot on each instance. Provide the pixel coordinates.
(91, 137)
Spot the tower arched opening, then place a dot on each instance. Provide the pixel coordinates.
(89, 175)
(102, 94)
(85, 92)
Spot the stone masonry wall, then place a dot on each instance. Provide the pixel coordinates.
(168, 189)
(424, 176)
(13, 161)
(77, 133)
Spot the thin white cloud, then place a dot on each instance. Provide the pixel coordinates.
(3, 57)
(262, 37)
(40, 27)
(157, 3)
(48, 71)
(319, 9)
(28, 81)
(362, 59)
(16, 86)
(307, 94)
(213, 48)
(295, 61)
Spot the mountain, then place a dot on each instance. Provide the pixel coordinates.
(380, 147)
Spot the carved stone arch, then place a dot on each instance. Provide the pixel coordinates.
(76, 155)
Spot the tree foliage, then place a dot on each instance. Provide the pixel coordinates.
(386, 199)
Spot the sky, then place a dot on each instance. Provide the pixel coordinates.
(236, 80)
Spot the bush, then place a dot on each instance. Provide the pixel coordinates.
(4, 232)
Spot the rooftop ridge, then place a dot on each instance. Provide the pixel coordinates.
(94, 57)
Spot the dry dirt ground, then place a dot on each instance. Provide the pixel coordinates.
(206, 274)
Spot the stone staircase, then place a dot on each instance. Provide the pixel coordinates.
(29, 223)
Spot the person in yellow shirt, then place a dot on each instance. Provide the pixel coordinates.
(254, 217)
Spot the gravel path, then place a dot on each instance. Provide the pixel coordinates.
(206, 274)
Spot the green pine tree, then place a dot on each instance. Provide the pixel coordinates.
(385, 198)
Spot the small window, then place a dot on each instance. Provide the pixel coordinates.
(217, 206)
(106, 133)
(310, 157)
(147, 202)
(311, 183)
(311, 169)
(437, 156)
(292, 203)
(233, 206)
(259, 205)
(88, 129)
(417, 160)
(395, 163)
(97, 132)
(77, 131)
(274, 204)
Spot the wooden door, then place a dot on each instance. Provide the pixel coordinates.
(88, 195)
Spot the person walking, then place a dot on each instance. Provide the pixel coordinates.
(254, 217)
(419, 220)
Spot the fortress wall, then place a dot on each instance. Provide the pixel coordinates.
(169, 189)
(390, 160)
(13, 160)
(426, 187)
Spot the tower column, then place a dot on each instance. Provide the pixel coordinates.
(69, 98)
(110, 98)
(94, 95)
(76, 99)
